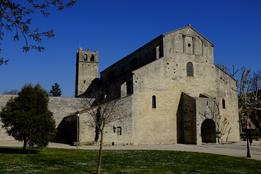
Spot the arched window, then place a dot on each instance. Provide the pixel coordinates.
(190, 69)
(223, 104)
(85, 57)
(153, 101)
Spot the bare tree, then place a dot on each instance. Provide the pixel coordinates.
(244, 88)
(249, 103)
(256, 99)
(249, 96)
(16, 19)
(223, 124)
(235, 71)
(101, 116)
(249, 100)
(3, 61)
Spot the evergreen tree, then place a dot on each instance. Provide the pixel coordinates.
(27, 117)
(56, 90)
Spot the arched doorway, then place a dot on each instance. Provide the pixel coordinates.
(208, 131)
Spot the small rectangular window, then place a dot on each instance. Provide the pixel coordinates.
(153, 101)
(119, 132)
(114, 129)
(157, 52)
(130, 85)
(223, 104)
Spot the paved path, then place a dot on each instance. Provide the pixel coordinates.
(235, 149)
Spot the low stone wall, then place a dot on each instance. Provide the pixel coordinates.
(60, 106)
(3, 100)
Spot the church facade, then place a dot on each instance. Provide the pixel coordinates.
(168, 91)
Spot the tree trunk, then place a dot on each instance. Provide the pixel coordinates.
(100, 153)
(248, 148)
(25, 143)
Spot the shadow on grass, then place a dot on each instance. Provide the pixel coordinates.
(14, 150)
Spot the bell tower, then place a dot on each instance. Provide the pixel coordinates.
(86, 70)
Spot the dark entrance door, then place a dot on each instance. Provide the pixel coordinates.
(208, 131)
(67, 131)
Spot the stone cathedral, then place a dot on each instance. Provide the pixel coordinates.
(168, 91)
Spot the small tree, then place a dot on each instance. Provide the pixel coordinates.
(27, 117)
(101, 116)
(56, 90)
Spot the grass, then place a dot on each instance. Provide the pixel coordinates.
(63, 161)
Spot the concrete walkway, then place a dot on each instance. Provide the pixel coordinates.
(235, 149)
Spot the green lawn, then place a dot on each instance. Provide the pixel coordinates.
(63, 161)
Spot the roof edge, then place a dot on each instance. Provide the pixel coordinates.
(225, 72)
(125, 57)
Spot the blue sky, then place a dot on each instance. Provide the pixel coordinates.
(115, 28)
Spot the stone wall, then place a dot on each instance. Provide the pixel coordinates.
(207, 108)
(3, 100)
(153, 125)
(189, 119)
(227, 91)
(119, 131)
(60, 106)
